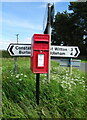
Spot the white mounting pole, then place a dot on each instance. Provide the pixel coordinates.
(49, 32)
(15, 59)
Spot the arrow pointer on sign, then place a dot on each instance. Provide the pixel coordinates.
(77, 52)
(11, 50)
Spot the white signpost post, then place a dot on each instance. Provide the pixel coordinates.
(55, 51)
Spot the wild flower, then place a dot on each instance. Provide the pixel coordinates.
(83, 81)
(63, 82)
(20, 79)
(80, 82)
(71, 82)
(54, 78)
(25, 76)
(66, 77)
(78, 77)
(69, 88)
(76, 80)
(67, 74)
(17, 76)
(74, 83)
(72, 79)
(45, 75)
(17, 83)
(63, 86)
(21, 73)
(84, 86)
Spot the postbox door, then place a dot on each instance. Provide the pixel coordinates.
(41, 61)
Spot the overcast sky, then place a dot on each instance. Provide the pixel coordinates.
(25, 19)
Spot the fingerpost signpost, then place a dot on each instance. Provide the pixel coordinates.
(19, 50)
(24, 50)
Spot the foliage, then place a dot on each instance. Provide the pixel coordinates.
(79, 15)
(61, 33)
(64, 97)
(4, 54)
(70, 28)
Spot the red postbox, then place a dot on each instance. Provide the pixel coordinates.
(40, 53)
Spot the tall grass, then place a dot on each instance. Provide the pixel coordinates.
(64, 97)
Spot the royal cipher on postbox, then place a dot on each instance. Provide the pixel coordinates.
(40, 53)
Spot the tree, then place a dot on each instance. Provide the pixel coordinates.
(61, 32)
(80, 16)
(69, 28)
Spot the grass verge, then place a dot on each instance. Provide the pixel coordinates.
(64, 97)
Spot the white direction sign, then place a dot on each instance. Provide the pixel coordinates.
(56, 51)
(64, 51)
(19, 49)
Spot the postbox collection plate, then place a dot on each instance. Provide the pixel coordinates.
(40, 60)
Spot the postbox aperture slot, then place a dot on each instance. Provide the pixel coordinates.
(41, 42)
(40, 60)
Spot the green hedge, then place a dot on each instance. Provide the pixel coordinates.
(4, 54)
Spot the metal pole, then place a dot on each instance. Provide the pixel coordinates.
(37, 87)
(17, 38)
(70, 68)
(15, 65)
(49, 32)
(15, 59)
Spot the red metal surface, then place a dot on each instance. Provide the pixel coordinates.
(40, 45)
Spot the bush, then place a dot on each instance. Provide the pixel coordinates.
(5, 54)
